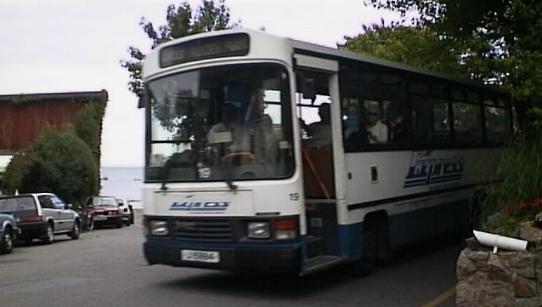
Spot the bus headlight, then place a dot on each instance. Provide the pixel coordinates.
(158, 228)
(285, 229)
(259, 230)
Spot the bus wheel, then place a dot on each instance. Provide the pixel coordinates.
(366, 264)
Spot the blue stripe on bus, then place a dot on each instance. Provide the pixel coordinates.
(447, 176)
(433, 180)
(410, 181)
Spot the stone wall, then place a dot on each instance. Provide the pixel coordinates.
(504, 278)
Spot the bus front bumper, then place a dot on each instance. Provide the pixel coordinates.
(274, 258)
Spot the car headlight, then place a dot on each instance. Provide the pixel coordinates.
(259, 230)
(158, 228)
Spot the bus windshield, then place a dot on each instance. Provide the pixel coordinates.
(221, 123)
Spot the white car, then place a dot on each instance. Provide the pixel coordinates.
(126, 210)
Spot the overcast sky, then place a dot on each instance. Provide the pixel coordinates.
(75, 45)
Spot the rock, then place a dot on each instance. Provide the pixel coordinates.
(538, 258)
(503, 279)
(470, 262)
(497, 271)
(538, 219)
(521, 263)
(528, 302)
(539, 279)
(530, 233)
(524, 287)
(479, 291)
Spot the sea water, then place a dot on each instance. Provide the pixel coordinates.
(124, 182)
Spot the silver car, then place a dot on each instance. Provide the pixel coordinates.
(42, 216)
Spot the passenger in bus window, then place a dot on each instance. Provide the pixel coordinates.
(355, 130)
(377, 131)
(320, 132)
(398, 128)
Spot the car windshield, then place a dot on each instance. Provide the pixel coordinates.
(108, 202)
(219, 124)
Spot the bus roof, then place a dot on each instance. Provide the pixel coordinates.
(312, 49)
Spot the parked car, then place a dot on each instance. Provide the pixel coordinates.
(42, 216)
(104, 210)
(8, 233)
(127, 210)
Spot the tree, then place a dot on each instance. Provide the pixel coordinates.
(87, 126)
(416, 46)
(500, 40)
(180, 21)
(58, 162)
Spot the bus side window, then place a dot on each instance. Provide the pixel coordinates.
(373, 106)
(430, 111)
(354, 127)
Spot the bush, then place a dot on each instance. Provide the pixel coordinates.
(58, 162)
(515, 193)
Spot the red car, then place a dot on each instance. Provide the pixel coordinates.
(102, 210)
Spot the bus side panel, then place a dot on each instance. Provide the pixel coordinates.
(426, 223)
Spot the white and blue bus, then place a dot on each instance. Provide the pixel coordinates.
(270, 154)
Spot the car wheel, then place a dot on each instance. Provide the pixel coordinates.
(76, 231)
(49, 236)
(90, 224)
(6, 243)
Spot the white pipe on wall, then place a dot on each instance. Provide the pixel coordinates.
(497, 241)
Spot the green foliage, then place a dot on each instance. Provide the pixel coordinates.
(180, 21)
(58, 162)
(408, 45)
(502, 223)
(87, 126)
(497, 41)
(517, 192)
(14, 173)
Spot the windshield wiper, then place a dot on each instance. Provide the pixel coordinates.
(164, 175)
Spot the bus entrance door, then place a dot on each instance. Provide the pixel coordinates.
(315, 99)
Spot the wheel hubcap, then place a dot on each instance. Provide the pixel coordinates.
(8, 242)
(50, 233)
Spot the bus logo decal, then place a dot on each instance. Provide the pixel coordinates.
(201, 206)
(425, 170)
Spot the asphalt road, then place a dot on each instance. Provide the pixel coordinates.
(106, 268)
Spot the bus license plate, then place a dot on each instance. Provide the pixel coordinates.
(200, 256)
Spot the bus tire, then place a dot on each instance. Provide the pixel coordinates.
(367, 263)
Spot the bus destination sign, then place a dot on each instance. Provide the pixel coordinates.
(205, 48)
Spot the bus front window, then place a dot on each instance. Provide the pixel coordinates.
(220, 124)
